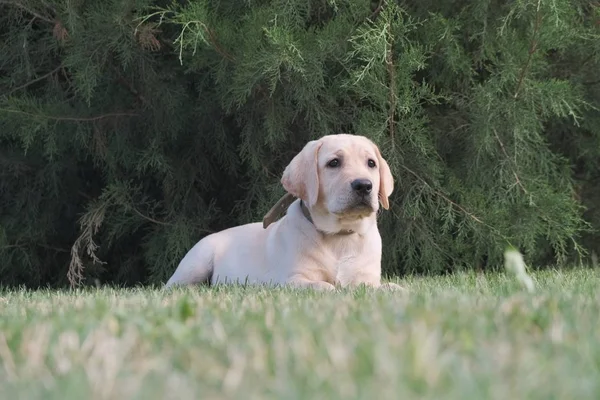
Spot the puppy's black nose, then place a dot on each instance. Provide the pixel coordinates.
(362, 186)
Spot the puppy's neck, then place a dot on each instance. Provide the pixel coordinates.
(331, 224)
(306, 213)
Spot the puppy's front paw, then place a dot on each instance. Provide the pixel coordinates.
(320, 285)
(308, 284)
(392, 287)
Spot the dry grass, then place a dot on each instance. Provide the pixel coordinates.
(463, 336)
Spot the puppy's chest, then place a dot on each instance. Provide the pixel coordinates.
(338, 257)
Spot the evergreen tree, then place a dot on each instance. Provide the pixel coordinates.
(129, 130)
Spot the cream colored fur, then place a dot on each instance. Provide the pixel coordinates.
(293, 250)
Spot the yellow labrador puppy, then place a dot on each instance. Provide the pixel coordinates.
(329, 236)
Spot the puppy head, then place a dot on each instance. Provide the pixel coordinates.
(344, 175)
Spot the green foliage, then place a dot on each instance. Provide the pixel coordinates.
(129, 130)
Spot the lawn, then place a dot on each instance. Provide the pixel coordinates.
(463, 336)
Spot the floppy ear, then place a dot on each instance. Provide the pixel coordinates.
(386, 180)
(301, 176)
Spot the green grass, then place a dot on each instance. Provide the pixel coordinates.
(463, 336)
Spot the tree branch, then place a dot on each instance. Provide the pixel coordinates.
(389, 60)
(454, 204)
(591, 83)
(376, 11)
(44, 246)
(130, 87)
(12, 246)
(32, 81)
(518, 181)
(57, 249)
(24, 8)
(213, 40)
(532, 48)
(155, 221)
(75, 119)
(149, 218)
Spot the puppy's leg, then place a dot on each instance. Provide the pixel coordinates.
(303, 282)
(364, 279)
(195, 267)
(392, 287)
(374, 282)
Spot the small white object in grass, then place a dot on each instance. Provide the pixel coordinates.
(513, 262)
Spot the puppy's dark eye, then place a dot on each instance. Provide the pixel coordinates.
(371, 163)
(333, 163)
